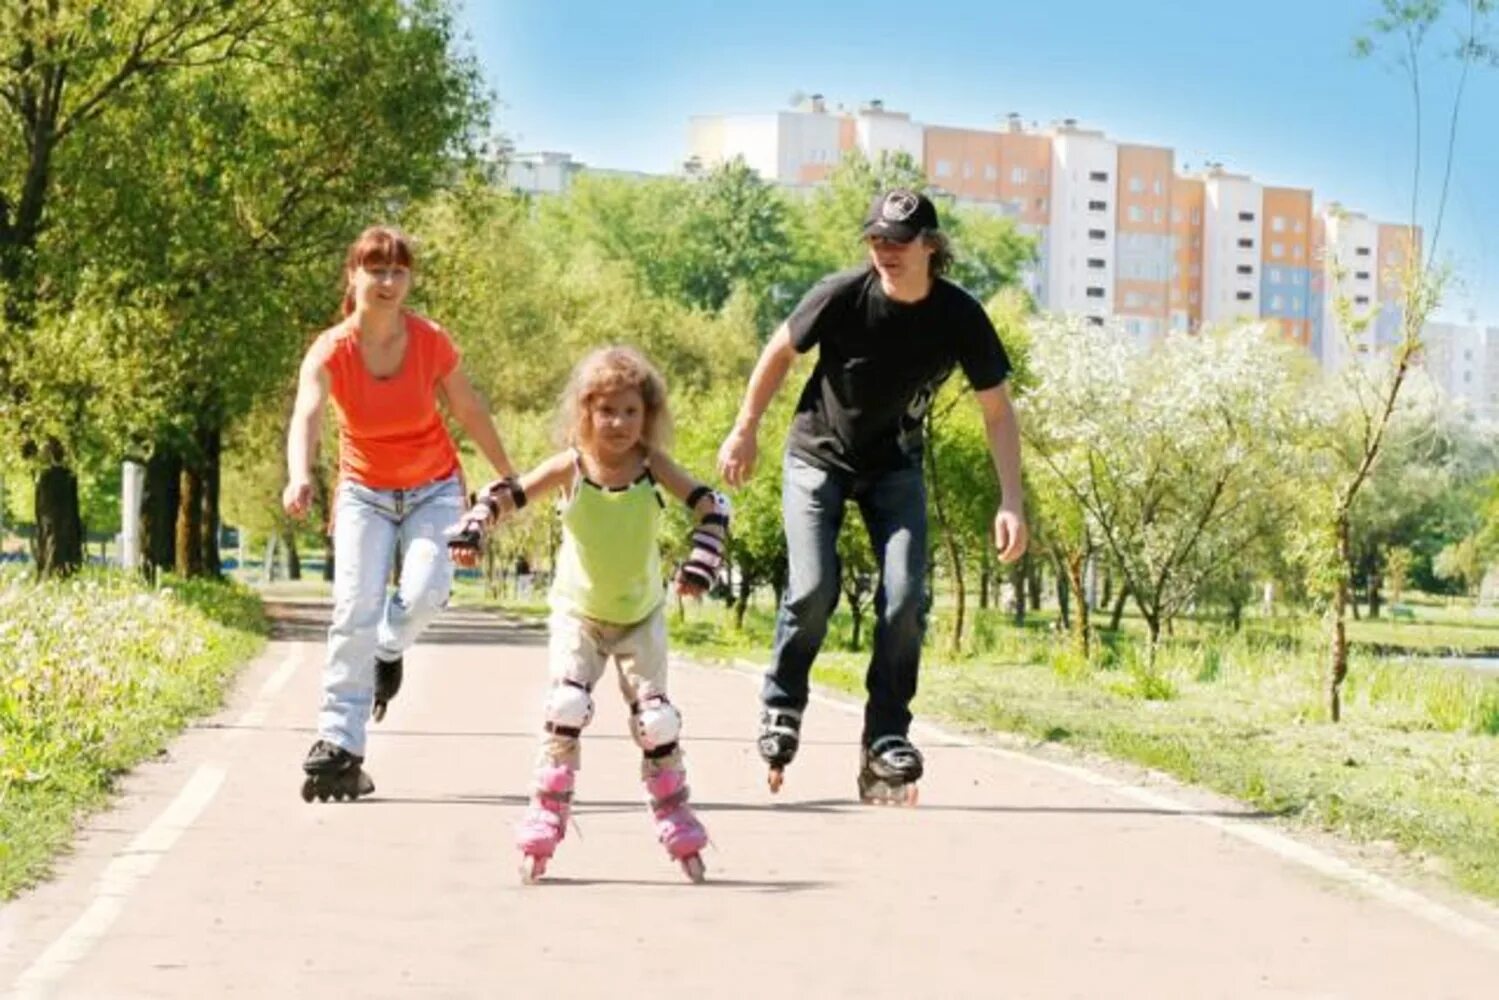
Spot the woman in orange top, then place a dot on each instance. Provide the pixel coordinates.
(386, 370)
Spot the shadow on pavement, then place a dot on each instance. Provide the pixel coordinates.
(308, 622)
(586, 807)
(769, 885)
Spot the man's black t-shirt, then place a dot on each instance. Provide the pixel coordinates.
(880, 362)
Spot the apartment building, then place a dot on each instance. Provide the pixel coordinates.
(1463, 360)
(1123, 233)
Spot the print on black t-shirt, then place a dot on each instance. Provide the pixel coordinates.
(879, 365)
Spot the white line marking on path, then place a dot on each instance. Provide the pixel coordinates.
(1277, 843)
(131, 865)
(128, 869)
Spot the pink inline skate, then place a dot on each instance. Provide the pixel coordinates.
(545, 823)
(676, 827)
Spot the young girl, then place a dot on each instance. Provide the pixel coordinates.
(386, 369)
(608, 595)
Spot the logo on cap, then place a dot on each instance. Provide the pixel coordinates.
(899, 206)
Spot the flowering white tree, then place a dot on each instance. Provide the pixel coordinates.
(1173, 454)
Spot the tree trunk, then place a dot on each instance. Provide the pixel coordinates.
(163, 490)
(1375, 581)
(1116, 616)
(212, 442)
(1338, 668)
(190, 524)
(984, 574)
(1075, 565)
(741, 604)
(57, 546)
(1036, 585)
(1064, 602)
(1153, 624)
(1020, 574)
(293, 558)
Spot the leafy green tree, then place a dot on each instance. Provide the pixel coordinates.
(1404, 26)
(1170, 455)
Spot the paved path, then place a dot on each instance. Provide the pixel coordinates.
(1016, 877)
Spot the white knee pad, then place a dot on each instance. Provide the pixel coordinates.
(657, 723)
(569, 708)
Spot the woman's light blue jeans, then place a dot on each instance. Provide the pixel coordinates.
(368, 621)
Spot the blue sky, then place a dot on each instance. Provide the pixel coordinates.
(1269, 88)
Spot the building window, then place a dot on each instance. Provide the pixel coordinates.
(1243, 296)
(1192, 298)
(1040, 175)
(1098, 175)
(1098, 206)
(1176, 216)
(1197, 243)
(1097, 234)
(1361, 300)
(1273, 274)
(1196, 270)
(1136, 213)
(1246, 216)
(1017, 175)
(1245, 269)
(1296, 251)
(1094, 292)
(1136, 184)
(1277, 223)
(967, 170)
(1132, 300)
(1361, 251)
(990, 172)
(1298, 227)
(1176, 295)
(1296, 303)
(1095, 321)
(1277, 303)
(1159, 186)
(1246, 243)
(944, 168)
(1097, 263)
(1277, 249)
(1040, 204)
(1196, 216)
(1361, 275)
(1157, 216)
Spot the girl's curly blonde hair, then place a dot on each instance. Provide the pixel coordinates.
(611, 369)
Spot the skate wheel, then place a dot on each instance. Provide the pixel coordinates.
(532, 868)
(378, 711)
(775, 778)
(695, 869)
(911, 795)
(308, 791)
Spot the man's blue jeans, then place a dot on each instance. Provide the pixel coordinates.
(893, 505)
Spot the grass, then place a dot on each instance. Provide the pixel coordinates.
(1415, 763)
(97, 674)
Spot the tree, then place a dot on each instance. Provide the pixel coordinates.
(275, 128)
(1170, 454)
(1405, 26)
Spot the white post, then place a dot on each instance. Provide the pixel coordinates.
(132, 489)
(1090, 583)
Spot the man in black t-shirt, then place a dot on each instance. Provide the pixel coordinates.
(888, 335)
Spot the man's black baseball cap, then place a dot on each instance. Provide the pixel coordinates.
(900, 214)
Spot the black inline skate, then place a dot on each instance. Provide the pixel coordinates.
(889, 769)
(387, 685)
(333, 773)
(780, 735)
